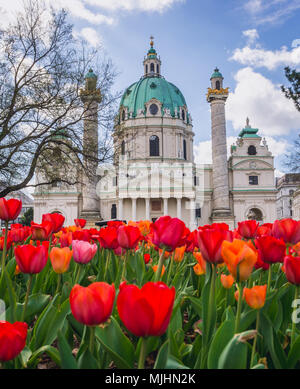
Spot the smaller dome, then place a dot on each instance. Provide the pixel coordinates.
(216, 74)
(90, 74)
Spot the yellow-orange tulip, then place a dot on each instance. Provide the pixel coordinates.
(238, 256)
(256, 296)
(200, 267)
(162, 270)
(179, 253)
(227, 281)
(166, 255)
(144, 226)
(60, 259)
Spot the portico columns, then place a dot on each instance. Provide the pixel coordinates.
(165, 206)
(120, 209)
(147, 202)
(179, 208)
(133, 209)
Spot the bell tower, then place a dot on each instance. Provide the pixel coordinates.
(152, 63)
(217, 97)
(91, 97)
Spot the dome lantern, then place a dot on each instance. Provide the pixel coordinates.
(152, 62)
(216, 79)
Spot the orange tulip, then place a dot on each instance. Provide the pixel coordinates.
(144, 227)
(236, 295)
(166, 255)
(200, 267)
(239, 258)
(227, 281)
(60, 259)
(256, 296)
(155, 269)
(179, 253)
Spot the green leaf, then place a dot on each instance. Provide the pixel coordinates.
(234, 355)
(51, 351)
(162, 356)
(87, 360)
(223, 335)
(36, 303)
(294, 354)
(259, 366)
(65, 352)
(173, 363)
(116, 344)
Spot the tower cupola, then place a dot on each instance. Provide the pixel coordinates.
(216, 80)
(152, 63)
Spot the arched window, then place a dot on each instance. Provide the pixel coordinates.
(252, 150)
(184, 149)
(255, 214)
(123, 147)
(152, 67)
(154, 146)
(123, 115)
(146, 69)
(153, 109)
(218, 86)
(183, 115)
(157, 69)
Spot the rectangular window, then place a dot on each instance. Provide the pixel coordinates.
(156, 205)
(115, 181)
(253, 180)
(196, 181)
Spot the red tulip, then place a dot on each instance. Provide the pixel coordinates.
(31, 259)
(65, 239)
(128, 236)
(10, 209)
(56, 219)
(247, 229)
(108, 238)
(264, 229)
(19, 234)
(260, 264)
(191, 242)
(169, 233)
(210, 243)
(287, 229)
(8, 242)
(83, 252)
(292, 269)
(80, 222)
(82, 235)
(115, 223)
(41, 231)
(12, 339)
(270, 249)
(146, 258)
(92, 305)
(146, 311)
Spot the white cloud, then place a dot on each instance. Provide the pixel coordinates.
(259, 57)
(271, 11)
(130, 5)
(91, 36)
(92, 11)
(252, 35)
(203, 150)
(263, 102)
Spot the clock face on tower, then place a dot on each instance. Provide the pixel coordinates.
(153, 109)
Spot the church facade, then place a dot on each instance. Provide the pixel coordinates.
(154, 172)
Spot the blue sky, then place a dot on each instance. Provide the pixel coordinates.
(249, 40)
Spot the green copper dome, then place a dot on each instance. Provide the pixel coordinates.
(139, 93)
(90, 74)
(216, 74)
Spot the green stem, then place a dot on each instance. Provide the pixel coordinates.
(58, 283)
(239, 308)
(171, 268)
(78, 273)
(143, 352)
(4, 249)
(269, 278)
(106, 265)
(27, 296)
(293, 335)
(92, 340)
(255, 340)
(160, 266)
(124, 266)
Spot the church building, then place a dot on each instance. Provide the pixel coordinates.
(154, 172)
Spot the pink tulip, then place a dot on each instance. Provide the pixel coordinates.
(83, 252)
